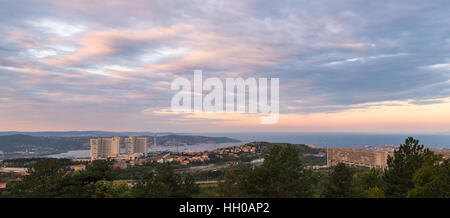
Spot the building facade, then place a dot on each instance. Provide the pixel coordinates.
(105, 147)
(357, 157)
(136, 145)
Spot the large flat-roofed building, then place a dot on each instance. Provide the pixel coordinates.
(105, 147)
(357, 157)
(136, 145)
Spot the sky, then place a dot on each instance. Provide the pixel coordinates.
(344, 66)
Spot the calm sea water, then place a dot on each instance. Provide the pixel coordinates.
(319, 139)
(339, 139)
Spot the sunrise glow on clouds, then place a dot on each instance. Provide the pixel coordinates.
(353, 66)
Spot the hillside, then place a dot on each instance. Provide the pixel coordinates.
(15, 143)
(191, 140)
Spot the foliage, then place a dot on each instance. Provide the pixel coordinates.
(340, 183)
(164, 183)
(367, 180)
(230, 186)
(413, 172)
(375, 192)
(98, 170)
(407, 159)
(432, 180)
(207, 191)
(25, 162)
(105, 189)
(319, 180)
(280, 176)
(45, 180)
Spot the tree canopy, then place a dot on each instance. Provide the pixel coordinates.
(406, 161)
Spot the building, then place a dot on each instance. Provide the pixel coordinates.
(78, 167)
(105, 147)
(136, 145)
(357, 157)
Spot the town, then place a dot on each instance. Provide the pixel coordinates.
(136, 153)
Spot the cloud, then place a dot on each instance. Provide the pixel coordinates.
(58, 28)
(363, 59)
(120, 57)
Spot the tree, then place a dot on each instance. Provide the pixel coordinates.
(98, 170)
(45, 180)
(230, 186)
(82, 183)
(280, 176)
(164, 183)
(433, 179)
(105, 189)
(402, 166)
(367, 180)
(375, 192)
(340, 183)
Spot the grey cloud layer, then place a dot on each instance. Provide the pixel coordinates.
(329, 55)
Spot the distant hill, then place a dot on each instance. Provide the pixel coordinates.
(42, 145)
(308, 155)
(51, 144)
(192, 139)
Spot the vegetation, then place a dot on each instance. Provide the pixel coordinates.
(302, 151)
(432, 179)
(48, 179)
(339, 183)
(164, 183)
(192, 140)
(25, 162)
(49, 144)
(413, 172)
(281, 175)
(406, 161)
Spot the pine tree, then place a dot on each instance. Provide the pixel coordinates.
(398, 179)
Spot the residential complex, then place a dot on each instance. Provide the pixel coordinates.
(136, 145)
(110, 147)
(105, 147)
(357, 157)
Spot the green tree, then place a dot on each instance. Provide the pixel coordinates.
(45, 180)
(367, 180)
(402, 166)
(230, 186)
(433, 179)
(375, 192)
(280, 176)
(339, 183)
(105, 189)
(81, 184)
(163, 182)
(98, 170)
(319, 180)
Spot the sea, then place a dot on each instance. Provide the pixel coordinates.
(349, 140)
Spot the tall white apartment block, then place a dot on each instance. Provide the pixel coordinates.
(136, 145)
(105, 147)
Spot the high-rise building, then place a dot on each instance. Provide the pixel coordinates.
(135, 145)
(105, 147)
(129, 145)
(141, 145)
